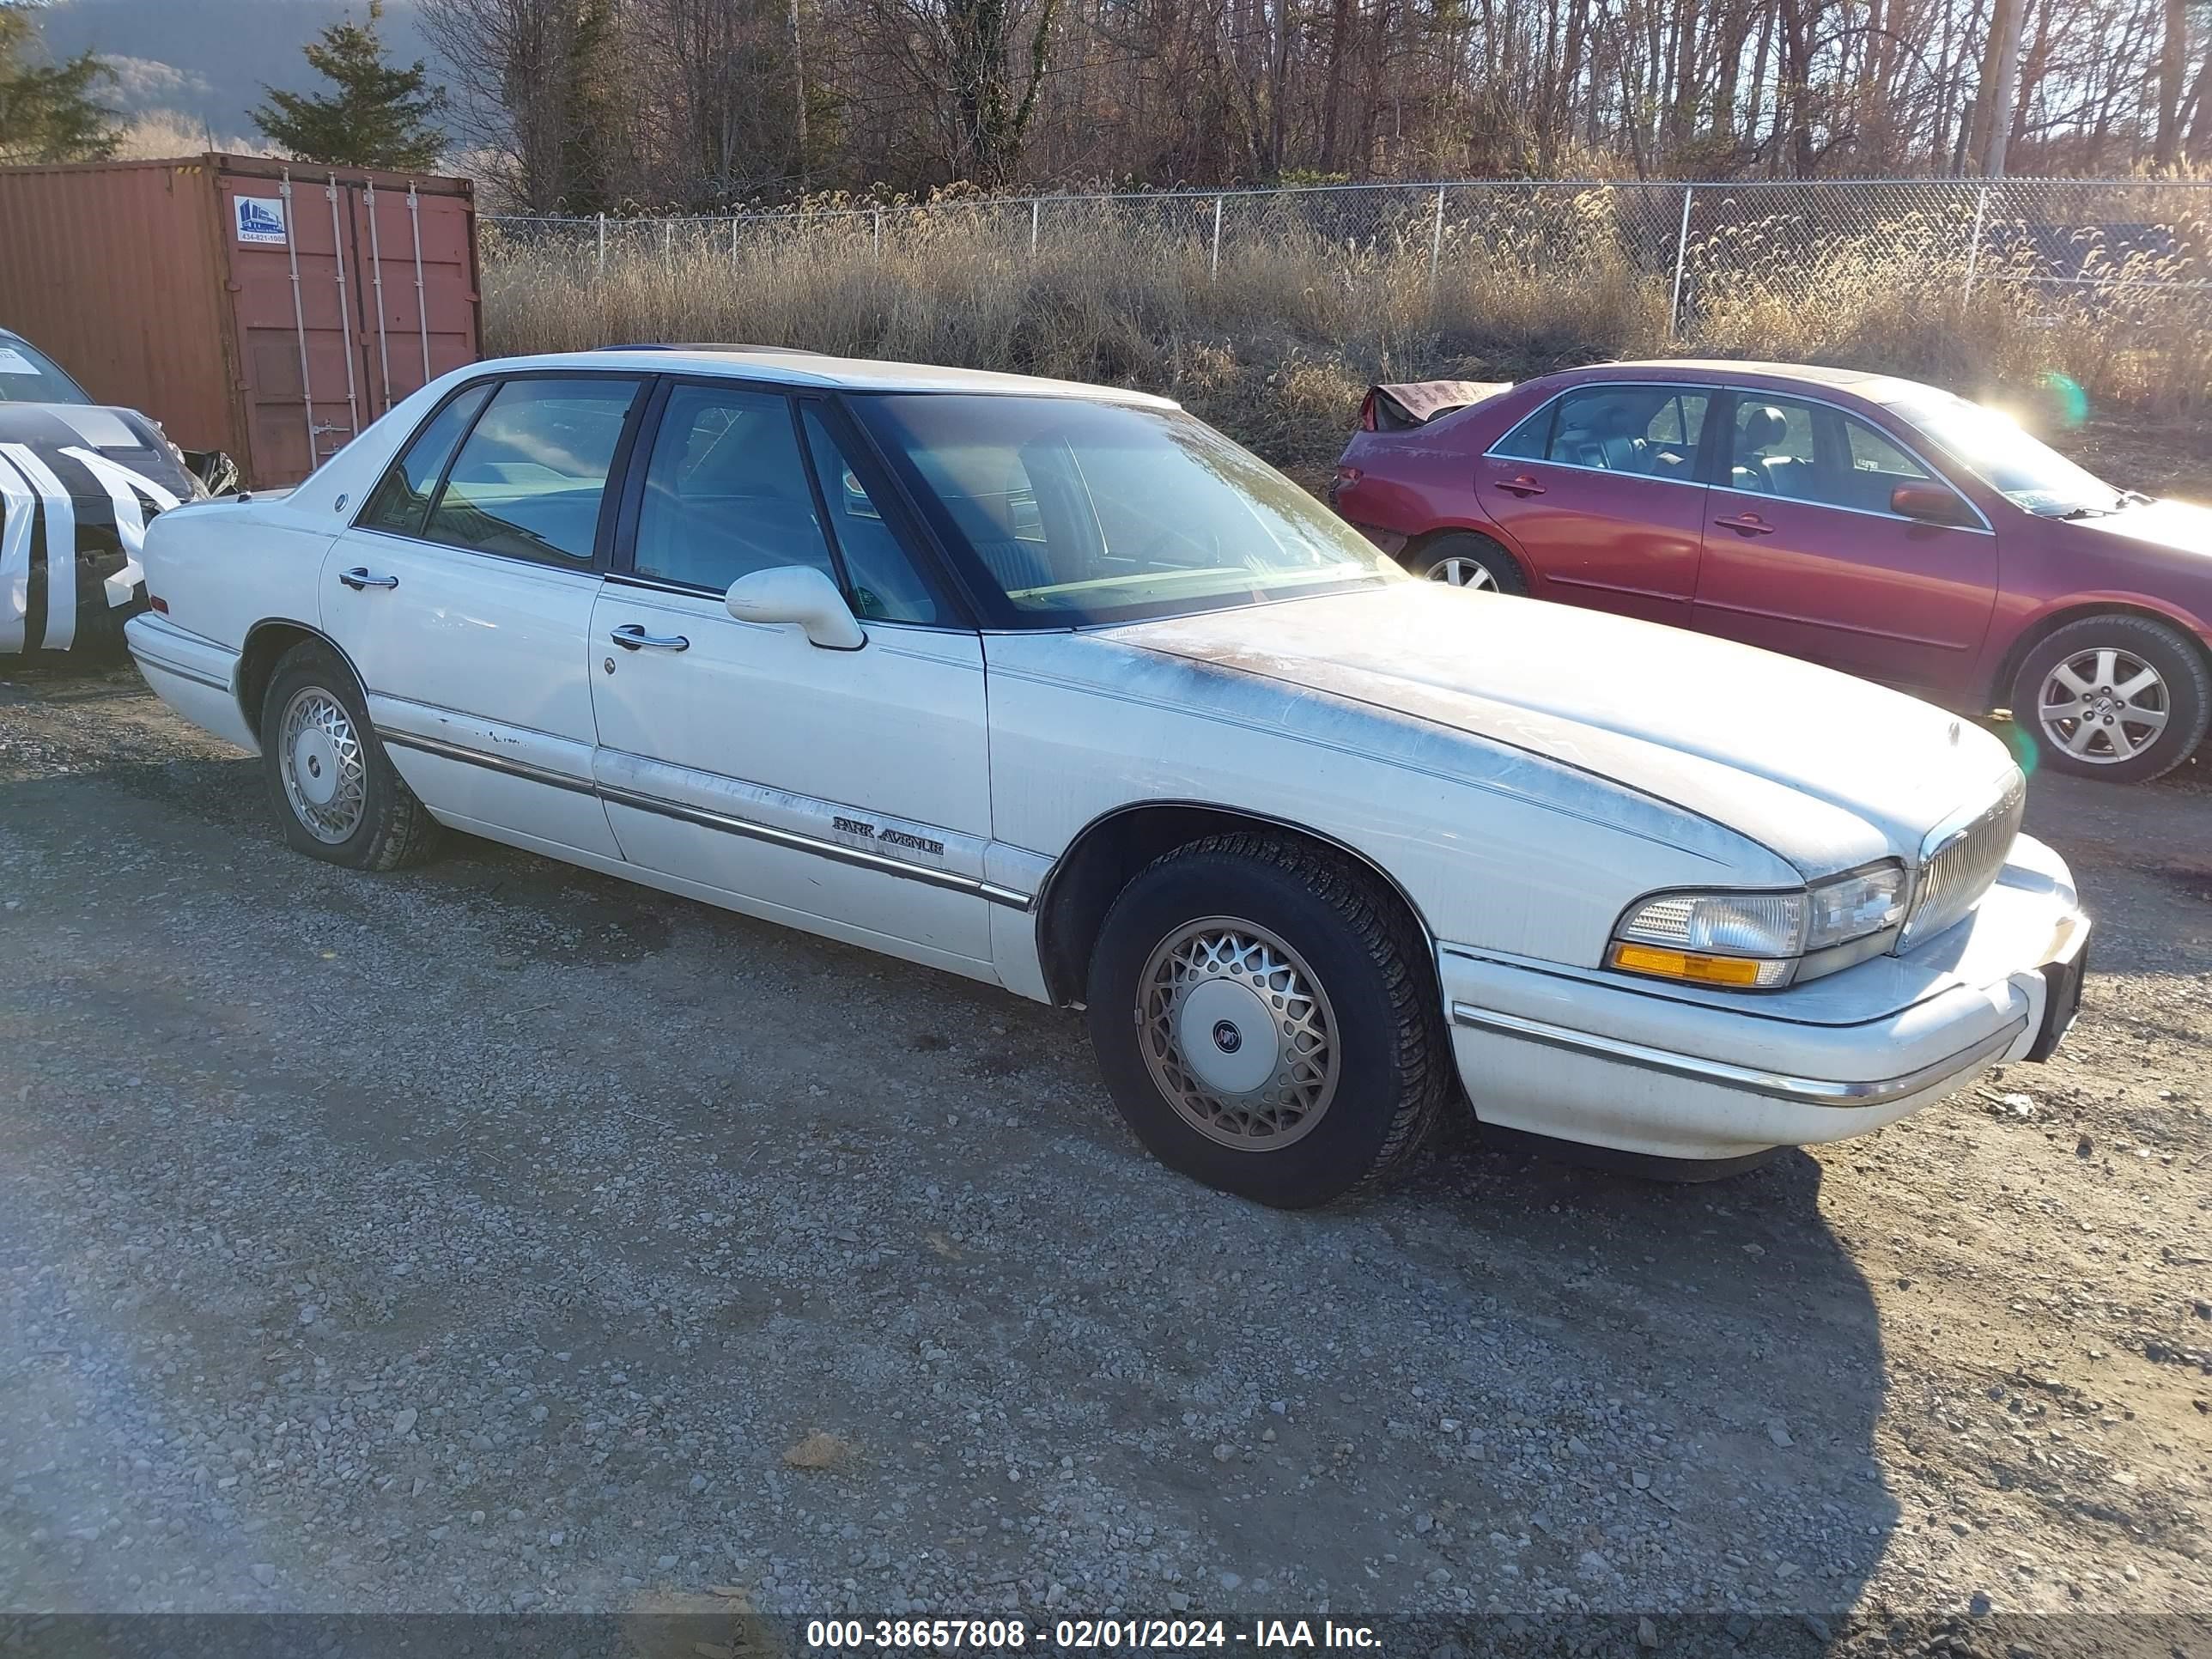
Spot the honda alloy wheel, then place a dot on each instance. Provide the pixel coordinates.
(2120, 698)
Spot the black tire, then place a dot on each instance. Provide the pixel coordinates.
(1469, 552)
(2183, 696)
(1392, 1054)
(393, 829)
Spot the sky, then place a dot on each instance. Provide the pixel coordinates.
(209, 60)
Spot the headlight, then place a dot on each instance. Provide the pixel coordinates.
(1754, 941)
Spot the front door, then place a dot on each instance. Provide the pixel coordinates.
(845, 792)
(463, 597)
(1599, 493)
(1804, 556)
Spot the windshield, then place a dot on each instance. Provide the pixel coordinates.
(27, 377)
(2030, 474)
(1076, 512)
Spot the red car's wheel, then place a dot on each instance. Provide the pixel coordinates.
(1467, 560)
(2120, 698)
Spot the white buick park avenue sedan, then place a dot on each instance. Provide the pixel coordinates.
(1052, 686)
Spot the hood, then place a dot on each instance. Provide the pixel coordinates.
(77, 483)
(123, 437)
(2181, 526)
(1803, 760)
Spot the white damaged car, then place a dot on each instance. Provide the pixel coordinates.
(1054, 687)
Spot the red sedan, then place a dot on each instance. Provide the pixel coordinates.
(1876, 525)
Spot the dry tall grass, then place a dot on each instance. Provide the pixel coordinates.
(1277, 343)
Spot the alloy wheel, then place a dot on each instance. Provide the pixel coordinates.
(1463, 573)
(2103, 706)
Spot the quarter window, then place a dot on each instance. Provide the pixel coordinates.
(726, 491)
(528, 480)
(404, 496)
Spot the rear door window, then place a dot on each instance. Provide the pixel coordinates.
(1645, 431)
(530, 477)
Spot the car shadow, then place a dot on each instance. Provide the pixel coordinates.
(1730, 1314)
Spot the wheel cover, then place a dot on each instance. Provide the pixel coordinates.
(2103, 706)
(1238, 1033)
(319, 758)
(1459, 571)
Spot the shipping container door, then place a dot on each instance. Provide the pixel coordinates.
(293, 279)
(418, 288)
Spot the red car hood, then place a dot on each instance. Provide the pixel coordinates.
(2184, 526)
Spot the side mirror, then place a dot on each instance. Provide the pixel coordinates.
(1932, 504)
(801, 594)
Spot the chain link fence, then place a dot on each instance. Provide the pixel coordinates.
(2144, 245)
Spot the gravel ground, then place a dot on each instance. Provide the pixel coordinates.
(497, 1236)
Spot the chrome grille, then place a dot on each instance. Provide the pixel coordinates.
(1959, 860)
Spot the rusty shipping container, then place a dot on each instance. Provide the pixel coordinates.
(271, 309)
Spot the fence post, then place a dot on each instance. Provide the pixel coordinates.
(1437, 238)
(668, 243)
(879, 236)
(733, 241)
(1213, 263)
(1974, 248)
(603, 245)
(1682, 258)
(1033, 227)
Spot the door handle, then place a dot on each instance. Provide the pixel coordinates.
(632, 637)
(1750, 524)
(1523, 485)
(358, 578)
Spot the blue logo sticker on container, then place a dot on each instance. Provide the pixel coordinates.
(260, 219)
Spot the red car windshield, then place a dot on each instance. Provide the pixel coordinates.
(2031, 475)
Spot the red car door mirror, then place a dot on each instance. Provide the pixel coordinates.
(1932, 504)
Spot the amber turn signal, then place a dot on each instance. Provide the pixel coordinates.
(1696, 968)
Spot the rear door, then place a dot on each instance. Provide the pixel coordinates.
(463, 597)
(1599, 492)
(1803, 554)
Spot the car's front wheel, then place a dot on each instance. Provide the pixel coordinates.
(1265, 1018)
(1464, 559)
(334, 790)
(2118, 697)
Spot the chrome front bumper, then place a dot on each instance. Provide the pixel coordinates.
(1612, 1061)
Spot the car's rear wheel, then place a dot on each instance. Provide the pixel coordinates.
(2118, 697)
(335, 792)
(1264, 1020)
(1464, 559)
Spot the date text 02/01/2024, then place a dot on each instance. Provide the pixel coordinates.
(1263, 1634)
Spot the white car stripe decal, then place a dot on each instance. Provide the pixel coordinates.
(61, 545)
(124, 488)
(18, 507)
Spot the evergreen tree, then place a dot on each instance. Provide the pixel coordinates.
(378, 116)
(49, 114)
